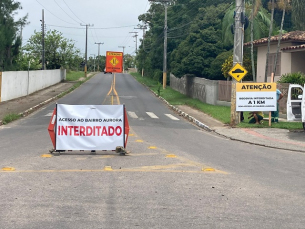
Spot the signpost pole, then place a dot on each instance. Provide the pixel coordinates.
(272, 80)
(237, 57)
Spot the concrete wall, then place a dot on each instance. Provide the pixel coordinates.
(199, 88)
(21, 83)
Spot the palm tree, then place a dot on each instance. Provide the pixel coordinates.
(298, 14)
(255, 6)
(261, 22)
(282, 4)
(269, 38)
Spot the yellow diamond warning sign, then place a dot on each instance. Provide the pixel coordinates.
(238, 72)
(114, 61)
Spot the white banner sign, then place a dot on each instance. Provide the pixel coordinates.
(89, 127)
(256, 97)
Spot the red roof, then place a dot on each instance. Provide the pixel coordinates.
(294, 36)
(294, 47)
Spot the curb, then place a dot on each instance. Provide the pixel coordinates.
(183, 114)
(180, 112)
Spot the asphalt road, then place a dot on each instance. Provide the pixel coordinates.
(175, 175)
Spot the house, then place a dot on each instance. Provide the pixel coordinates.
(291, 57)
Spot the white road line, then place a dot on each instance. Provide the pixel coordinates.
(152, 115)
(132, 114)
(49, 114)
(172, 117)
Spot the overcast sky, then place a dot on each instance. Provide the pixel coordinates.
(67, 15)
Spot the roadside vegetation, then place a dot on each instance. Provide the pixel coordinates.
(74, 75)
(78, 77)
(221, 113)
(10, 117)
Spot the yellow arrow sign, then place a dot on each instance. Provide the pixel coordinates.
(114, 61)
(238, 72)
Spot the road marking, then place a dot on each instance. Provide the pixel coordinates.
(132, 114)
(8, 169)
(152, 147)
(172, 117)
(152, 115)
(208, 169)
(139, 140)
(108, 168)
(49, 114)
(107, 156)
(171, 155)
(46, 155)
(114, 170)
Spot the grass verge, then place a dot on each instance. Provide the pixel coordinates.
(221, 113)
(10, 117)
(74, 76)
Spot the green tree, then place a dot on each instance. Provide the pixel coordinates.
(196, 53)
(129, 61)
(260, 21)
(59, 51)
(10, 41)
(298, 14)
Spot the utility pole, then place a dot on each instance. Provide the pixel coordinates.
(98, 54)
(136, 36)
(123, 57)
(237, 54)
(42, 42)
(165, 3)
(143, 27)
(85, 70)
(93, 60)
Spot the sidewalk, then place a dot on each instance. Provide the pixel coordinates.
(268, 137)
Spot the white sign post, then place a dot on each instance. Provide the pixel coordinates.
(89, 127)
(256, 97)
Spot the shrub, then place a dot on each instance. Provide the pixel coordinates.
(293, 78)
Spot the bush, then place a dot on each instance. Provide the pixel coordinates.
(215, 70)
(293, 78)
(228, 64)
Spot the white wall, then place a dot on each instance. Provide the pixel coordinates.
(21, 83)
(298, 64)
(14, 85)
(261, 61)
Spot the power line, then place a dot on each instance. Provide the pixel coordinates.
(118, 27)
(53, 14)
(65, 12)
(69, 27)
(72, 11)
